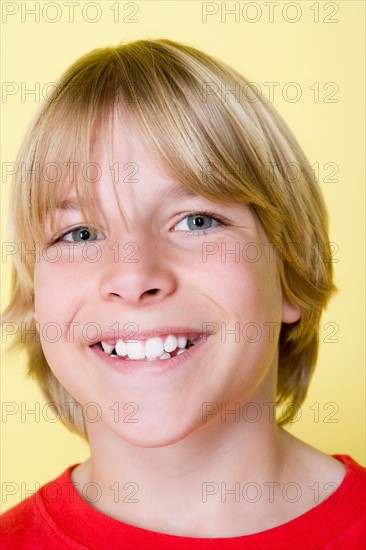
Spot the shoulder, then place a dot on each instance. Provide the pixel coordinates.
(343, 513)
(22, 518)
(28, 524)
(337, 473)
(353, 487)
(333, 498)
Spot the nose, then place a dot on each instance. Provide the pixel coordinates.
(138, 273)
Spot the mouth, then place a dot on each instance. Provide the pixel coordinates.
(158, 348)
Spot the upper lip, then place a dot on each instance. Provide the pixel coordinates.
(132, 333)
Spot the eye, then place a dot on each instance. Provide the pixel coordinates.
(200, 222)
(80, 234)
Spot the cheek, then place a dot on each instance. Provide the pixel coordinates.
(56, 302)
(243, 280)
(48, 292)
(57, 285)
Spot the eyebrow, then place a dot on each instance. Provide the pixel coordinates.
(174, 191)
(68, 204)
(178, 192)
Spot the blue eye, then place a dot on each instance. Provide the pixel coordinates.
(81, 234)
(200, 222)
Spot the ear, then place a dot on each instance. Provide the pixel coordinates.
(34, 316)
(290, 311)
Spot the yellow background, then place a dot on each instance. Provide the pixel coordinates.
(308, 51)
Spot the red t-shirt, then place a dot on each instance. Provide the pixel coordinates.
(62, 520)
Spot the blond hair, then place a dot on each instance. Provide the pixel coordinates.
(229, 147)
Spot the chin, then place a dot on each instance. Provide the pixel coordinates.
(156, 436)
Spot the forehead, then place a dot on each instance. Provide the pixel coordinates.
(119, 151)
(174, 192)
(122, 156)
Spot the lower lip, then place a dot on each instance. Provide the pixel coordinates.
(158, 366)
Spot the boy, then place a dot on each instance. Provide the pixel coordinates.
(183, 268)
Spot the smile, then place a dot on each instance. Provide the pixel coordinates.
(160, 348)
(154, 355)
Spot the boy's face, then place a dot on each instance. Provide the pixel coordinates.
(158, 270)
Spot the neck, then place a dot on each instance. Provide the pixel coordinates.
(179, 486)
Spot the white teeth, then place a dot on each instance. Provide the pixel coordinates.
(154, 347)
(121, 348)
(135, 350)
(182, 341)
(170, 343)
(150, 349)
(165, 356)
(107, 348)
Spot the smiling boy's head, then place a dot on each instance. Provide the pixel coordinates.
(209, 130)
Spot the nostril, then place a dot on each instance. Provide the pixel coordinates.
(152, 291)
